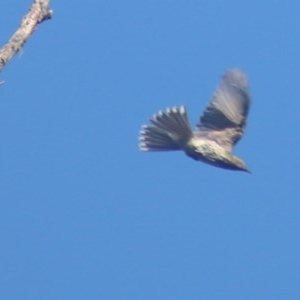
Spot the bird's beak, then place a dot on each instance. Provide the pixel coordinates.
(247, 170)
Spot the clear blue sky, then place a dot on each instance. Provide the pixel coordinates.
(85, 215)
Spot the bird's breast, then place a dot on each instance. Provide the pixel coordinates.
(205, 150)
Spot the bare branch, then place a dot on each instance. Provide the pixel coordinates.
(38, 13)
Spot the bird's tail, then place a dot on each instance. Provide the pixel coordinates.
(169, 130)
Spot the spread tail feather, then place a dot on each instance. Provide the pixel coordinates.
(170, 130)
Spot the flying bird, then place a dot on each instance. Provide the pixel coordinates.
(220, 127)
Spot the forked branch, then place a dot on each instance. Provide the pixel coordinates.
(38, 12)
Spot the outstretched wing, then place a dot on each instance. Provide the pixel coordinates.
(224, 119)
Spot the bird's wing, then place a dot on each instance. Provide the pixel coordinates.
(224, 119)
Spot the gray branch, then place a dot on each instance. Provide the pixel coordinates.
(38, 12)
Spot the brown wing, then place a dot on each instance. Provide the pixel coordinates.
(224, 119)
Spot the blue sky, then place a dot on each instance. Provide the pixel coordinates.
(85, 215)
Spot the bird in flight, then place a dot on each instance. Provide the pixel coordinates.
(220, 127)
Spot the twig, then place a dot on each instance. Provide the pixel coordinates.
(38, 12)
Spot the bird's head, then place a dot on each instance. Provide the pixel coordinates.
(239, 164)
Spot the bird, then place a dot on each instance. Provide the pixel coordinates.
(220, 127)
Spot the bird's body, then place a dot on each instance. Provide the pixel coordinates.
(211, 153)
(220, 128)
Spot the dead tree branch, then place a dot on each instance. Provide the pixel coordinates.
(38, 12)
